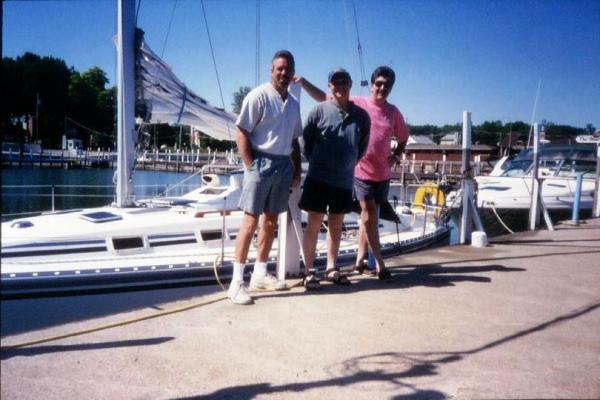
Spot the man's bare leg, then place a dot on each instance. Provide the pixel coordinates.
(244, 237)
(334, 235)
(309, 241)
(266, 234)
(369, 219)
(361, 252)
(237, 290)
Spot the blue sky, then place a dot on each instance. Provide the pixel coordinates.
(483, 56)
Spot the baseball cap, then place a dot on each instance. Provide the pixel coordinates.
(339, 73)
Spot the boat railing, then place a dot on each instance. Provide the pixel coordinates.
(50, 198)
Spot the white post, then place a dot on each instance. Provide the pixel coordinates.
(534, 210)
(289, 238)
(597, 191)
(125, 101)
(467, 185)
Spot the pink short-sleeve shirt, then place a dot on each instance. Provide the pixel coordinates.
(386, 122)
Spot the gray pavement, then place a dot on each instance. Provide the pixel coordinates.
(518, 319)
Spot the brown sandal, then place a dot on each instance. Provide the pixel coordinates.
(336, 277)
(363, 269)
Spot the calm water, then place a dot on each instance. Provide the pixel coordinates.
(96, 187)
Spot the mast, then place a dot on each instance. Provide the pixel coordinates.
(125, 100)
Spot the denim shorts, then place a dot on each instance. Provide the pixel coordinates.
(266, 185)
(371, 190)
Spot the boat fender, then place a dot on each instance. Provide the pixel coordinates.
(429, 193)
(211, 179)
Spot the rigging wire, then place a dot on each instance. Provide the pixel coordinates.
(257, 50)
(212, 53)
(363, 79)
(168, 29)
(137, 12)
(88, 129)
(537, 95)
(348, 30)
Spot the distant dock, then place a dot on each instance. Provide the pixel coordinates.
(409, 171)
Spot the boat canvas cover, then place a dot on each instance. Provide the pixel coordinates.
(170, 101)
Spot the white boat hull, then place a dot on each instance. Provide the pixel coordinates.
(150, 246)
(513, 193)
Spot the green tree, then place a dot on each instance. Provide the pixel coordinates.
(26, 79)
(489, 132)
(93, 105)
(590, 128)
(238, 98)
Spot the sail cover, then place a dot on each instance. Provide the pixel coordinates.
(167, 100)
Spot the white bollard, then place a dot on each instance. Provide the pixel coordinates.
(478, 239)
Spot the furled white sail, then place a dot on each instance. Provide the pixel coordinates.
(168, 100)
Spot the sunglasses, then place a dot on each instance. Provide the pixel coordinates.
(383, 83)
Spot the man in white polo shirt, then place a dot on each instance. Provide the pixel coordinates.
(269, 125)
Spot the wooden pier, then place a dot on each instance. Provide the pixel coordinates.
(517, 319)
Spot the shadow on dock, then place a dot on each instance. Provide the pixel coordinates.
(390, 367)
(39, 350)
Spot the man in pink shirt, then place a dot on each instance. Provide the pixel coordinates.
(373, 171)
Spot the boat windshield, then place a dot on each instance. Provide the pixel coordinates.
(565, 161)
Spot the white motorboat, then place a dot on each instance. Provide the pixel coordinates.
(165, 240)
(504, 197)
(510, 188)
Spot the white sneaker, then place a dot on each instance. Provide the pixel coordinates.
(238, 293)
(266, 282)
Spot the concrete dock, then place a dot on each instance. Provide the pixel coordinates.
(519, 319)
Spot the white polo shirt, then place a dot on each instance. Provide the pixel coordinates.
(271, 122)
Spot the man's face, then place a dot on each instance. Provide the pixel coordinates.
(340, 88)
(381, 88)
(281, 74)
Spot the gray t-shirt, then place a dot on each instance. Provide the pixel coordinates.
(271, 122)
(334, 141)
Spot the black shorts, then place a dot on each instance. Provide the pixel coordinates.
(371, 190)
(324, 198)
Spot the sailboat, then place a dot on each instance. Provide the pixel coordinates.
(163, 241)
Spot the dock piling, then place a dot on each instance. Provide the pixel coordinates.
(470, 215)
(575, 215)
(538, 205)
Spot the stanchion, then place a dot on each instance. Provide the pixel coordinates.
(537, 202)
(470, 215)
(575, 215)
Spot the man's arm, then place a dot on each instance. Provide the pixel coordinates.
(400, 148)
(313, 91)
(244, 146)
(296, 162)
(401, 133)
(364, 140)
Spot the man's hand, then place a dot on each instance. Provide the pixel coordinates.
(244, 147)
(295, 180)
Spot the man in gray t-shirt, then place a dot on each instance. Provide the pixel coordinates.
(268, 129)
(336, 134)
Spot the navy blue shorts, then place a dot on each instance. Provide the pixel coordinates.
(371, 190)
(323, 198)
